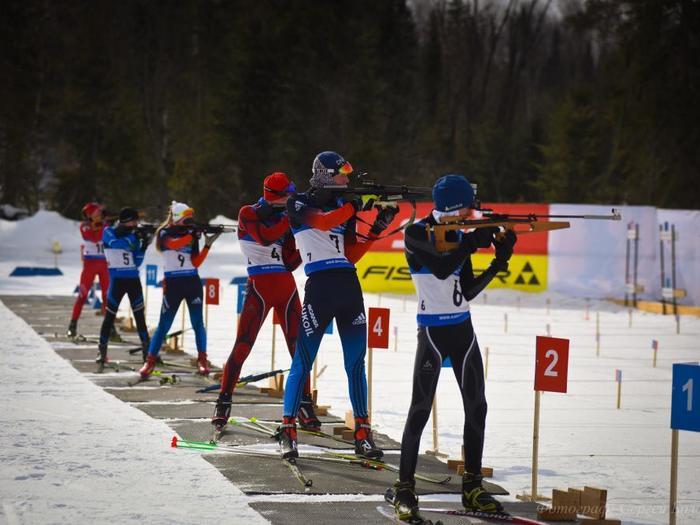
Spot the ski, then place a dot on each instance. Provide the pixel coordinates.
(498, 517)
(317, 433)
(291, 463)
(391, 516)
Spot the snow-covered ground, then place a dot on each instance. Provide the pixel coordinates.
(584, 439)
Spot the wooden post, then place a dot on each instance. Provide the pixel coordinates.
(435, 424)
(183, 306)
(315, 374)
(597, 334)
(535, 444)
(369, 383)
(396, 338)
(629, 314)
(505, 323)
(548, 302)
(549, 332)
(486, 364)
(130, 325)
(517, 303)
(274, 334)
(674, 477)
(379, 299)
(678, 324)
(654, 361)
(619, 393)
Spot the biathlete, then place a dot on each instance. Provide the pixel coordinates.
(445, 283)
(94, 263)
(180, 248)
(124, 245)
(324, 230)
(269, 247)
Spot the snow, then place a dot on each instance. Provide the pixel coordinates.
(584, 439)
(72, 453)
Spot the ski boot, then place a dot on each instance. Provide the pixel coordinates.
(202, 364)
(307, 417)
(101, 358)
(364, 444)
(72, 329)
(149, 366)
(222, 411)
(406, 503)
(287, 438)
(474, 497)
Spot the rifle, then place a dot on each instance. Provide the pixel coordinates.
(518, 223)
(202, 228)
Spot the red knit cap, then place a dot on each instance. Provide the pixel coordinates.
(276, 186)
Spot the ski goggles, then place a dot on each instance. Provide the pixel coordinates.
(345, 169)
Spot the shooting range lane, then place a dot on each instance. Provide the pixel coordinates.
(187, 413)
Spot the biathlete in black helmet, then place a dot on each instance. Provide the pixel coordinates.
(324, 230)
(445, 283)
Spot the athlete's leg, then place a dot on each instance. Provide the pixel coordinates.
(426, 372)
(135, 292)
(172, 296)
(469, 371)
(254, 312)
(103, 275)
(116, 291)
(194, 298)
(352, 329)
(87, 276)
(316, 313)
(288, 312)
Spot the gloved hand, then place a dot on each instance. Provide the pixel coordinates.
(481, 237)
(385, 215)
(143, 236)
(264, 211)
(504, 249)
(209, 239)
(355, 200)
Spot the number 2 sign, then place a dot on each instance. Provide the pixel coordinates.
(378, 328)
(551, 364)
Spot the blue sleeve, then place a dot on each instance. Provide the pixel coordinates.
(110, 240)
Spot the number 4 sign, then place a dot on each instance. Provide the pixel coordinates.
(552, 364)
(685, 398)
(378, 328)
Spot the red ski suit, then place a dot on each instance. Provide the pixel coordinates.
(272, 256)
(94, 264)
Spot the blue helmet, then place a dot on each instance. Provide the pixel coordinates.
(452, 192)
(327, 165)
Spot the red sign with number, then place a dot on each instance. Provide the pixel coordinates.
(211, 290)
(378, 328)
(552, 364)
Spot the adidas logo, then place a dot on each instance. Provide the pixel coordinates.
(361, 319)
(298, 205)
(197, 301)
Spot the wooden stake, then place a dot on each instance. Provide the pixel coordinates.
(396, 339)
(654, 362)
(315, 373)
(619, 393)
(369, 383)
(548, 302)
(182, 345)
(629, 321)
(674, 477)
(535, 444)
(517, 303)
(435, 424)
(486, 364)
(379, 299)
(274, 333)
(548, 330)
(505, 323)
(597, 334)
(678, 324)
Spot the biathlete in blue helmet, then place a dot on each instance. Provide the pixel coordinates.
(124, 247)
(445, 283)
(180, 249)
(324, 230)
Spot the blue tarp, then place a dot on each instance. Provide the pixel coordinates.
(31, 271)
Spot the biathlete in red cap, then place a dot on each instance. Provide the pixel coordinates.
(94, 264)
(269, 247)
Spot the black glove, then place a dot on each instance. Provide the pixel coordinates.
(264, 211)
(144, 236)
(504, 250)
(482, 237)
(209, 239)
(121, 231)
(385, 216)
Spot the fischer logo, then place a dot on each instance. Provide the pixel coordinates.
(308, 319)
(361, 319)
(388, 272)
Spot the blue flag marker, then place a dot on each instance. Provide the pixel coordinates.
(329, 328)
(447, 362)
(685, 397)
(151, 275)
